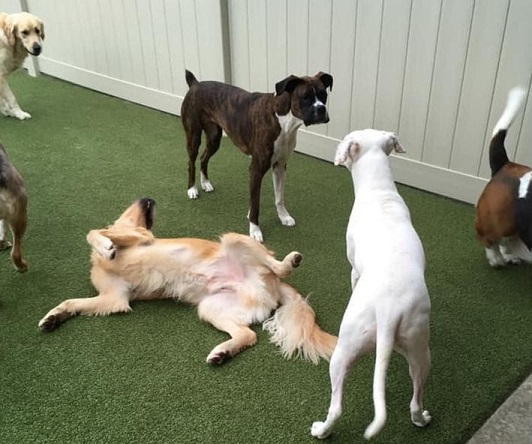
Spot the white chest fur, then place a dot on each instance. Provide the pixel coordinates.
(285, 144)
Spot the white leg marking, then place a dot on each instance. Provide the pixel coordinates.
(255, 232)
(494, 256)
(206, 184)
(278, 176)
(193, 192)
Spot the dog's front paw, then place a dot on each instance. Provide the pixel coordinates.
(255, 232)
(106, 248)
(193, 192)
(206, 185)
(318, 430)
(217, 358)
(286, 219)
(21, 265)
(5, 244)
(49, 323)
(421, 419)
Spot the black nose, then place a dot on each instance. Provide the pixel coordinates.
(321, 111)
(36, 49)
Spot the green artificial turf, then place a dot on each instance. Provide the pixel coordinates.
(142, 377)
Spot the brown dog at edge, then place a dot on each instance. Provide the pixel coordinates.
(233, 283)
(13, 209)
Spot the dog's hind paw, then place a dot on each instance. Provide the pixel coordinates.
(296, 259)
(318, 430)
(421, 419)
(217, 358)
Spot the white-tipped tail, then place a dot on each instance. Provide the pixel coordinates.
(516, 96)
(293, 328)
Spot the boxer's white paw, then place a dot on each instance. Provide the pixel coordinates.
(193, 192)
(421, 419)
(511, 259)
(255, 232)
(318, 430)
(287, 220)
(206, 184)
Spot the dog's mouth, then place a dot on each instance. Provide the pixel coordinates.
(148, 208)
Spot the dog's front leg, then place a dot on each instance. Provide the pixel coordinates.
(257, 170)
(279, 174)
(9, 105)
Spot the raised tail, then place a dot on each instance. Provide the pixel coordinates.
(384, 349)
(293, 328)
(498, 156)
(190, 78)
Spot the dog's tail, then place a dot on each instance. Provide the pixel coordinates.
(498, 156)
(384, 349)
(293, 328)
(190, 78)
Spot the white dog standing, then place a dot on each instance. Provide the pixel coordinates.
(389, 307)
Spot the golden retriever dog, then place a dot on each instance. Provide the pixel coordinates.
(234, 283)
(20, 34)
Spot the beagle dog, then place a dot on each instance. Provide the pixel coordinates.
(503, 219)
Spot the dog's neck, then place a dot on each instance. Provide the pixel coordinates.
(372, 172)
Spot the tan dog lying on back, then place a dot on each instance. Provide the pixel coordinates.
(20, 34)
(234, 283)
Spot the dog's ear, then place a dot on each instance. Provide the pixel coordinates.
(41, 29)
(326, 79)
(347, 150)
(10, 30)
(287, 85)
(394, 145)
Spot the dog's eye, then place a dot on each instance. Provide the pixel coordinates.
(37, 31)
(25, 33)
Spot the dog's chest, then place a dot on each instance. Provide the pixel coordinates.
(285, 143)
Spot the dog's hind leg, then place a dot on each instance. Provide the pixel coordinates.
(418, 357)
(214, 136)
(193, 133)
(18, 228)
(218, 311)
(349, 349)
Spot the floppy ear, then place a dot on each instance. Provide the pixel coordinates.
(41, 28)
(287, 85)
(10, 30)
(326, 79)
(346, 149)
(393, 145)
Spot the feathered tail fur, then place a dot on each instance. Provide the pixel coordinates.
(498, 156)
(293, 328)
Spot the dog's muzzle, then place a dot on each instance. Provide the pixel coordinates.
(148, 206)
(318, 114)
(36, 49)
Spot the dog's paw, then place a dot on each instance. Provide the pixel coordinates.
(21, 266)
(5, 244)
(296, 259)
(206, 185)
(217, 358)
(193, 192)
(255, 232)
(421, 419)
(511, 259)
(286, 219)
(22, 115)
(49, 323)
(106, 248)
(318, 430)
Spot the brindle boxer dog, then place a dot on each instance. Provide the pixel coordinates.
(262, 125)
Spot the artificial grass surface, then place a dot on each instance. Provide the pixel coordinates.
(142, 377)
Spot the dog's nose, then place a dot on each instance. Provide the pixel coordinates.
(36, 49)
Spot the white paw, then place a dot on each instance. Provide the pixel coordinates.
(422, 420)
(318, 430)
(287, 220)
(255, 232)
(106, 248)
(22, 115)
(207, 186)
(193, 192)
(511, 259)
